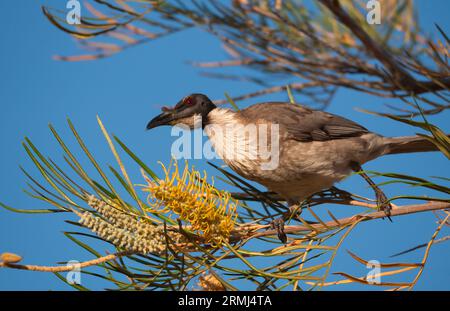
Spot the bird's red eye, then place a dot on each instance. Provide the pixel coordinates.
(187, 100)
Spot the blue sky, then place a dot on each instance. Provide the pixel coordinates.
(127, 91)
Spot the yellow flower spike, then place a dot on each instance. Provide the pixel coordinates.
(187, 194)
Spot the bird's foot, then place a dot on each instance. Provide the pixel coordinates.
(278, 223)
(383, 203)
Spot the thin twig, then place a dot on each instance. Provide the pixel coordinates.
(71, 267)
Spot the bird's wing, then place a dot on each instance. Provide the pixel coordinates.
(303, 124)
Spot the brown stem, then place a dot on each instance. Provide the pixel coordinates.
(270, 90)
(67, 267)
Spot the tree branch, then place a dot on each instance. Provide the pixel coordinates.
(381, 54)
(396, 211)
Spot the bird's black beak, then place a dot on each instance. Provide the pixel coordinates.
(165, 118)
(189, 112)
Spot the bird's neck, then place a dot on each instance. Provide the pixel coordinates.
(221, 116)
(226, 131)
(220, 128)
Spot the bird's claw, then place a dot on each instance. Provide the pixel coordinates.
(278, 225)
(384, 204)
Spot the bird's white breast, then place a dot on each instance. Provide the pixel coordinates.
(231, 138)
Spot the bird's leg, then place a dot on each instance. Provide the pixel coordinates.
(278, 223)
(382, 200)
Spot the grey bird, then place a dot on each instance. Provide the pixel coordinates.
(316, 149)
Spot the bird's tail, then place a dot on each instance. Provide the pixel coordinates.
(408, 144)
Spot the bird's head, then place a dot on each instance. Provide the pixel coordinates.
(187, 111)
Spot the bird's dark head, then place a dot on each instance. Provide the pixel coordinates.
(187, 111)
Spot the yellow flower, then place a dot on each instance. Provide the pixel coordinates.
(210, 212)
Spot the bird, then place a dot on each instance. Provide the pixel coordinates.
(316, 149)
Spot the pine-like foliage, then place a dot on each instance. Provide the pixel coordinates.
(180, 231)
